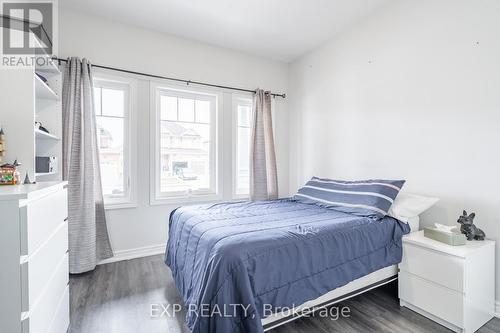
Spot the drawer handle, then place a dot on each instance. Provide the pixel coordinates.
(25, 322)
(23, 230)
(24, 287)
(66, 219)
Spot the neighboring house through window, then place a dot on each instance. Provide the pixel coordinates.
(114, 109)
(185, 144)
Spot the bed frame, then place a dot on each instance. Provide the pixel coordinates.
(354, 288)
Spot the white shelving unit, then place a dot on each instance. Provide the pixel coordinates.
(26, 99)
(48, 113)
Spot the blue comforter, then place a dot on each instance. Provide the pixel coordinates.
(234, 263)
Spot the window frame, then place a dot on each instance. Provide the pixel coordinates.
(247, 100)
(129, 85)
(157, 197)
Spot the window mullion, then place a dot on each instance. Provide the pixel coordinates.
(177, 106)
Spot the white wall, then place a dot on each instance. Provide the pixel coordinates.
(413, 92)
(117, 45)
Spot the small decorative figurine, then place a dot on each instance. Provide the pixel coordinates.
(38, 126)
(9, 175)
(468, 228)
(2, 144)
(27, 180)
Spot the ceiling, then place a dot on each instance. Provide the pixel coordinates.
(277, 29)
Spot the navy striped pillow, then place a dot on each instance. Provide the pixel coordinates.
(371, 198)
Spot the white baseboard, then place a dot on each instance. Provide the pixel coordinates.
(497, 309)
(135, 253)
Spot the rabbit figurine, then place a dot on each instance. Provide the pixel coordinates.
(468, 228)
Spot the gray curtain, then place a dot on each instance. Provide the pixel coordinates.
(263, 174)
(88, 234)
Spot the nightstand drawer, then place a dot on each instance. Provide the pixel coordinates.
(440, 301)
(441, 268)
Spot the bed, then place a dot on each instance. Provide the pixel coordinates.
(236, 265)
(356, 287)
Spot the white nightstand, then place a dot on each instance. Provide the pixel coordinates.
(452, 285)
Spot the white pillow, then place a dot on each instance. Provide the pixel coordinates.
(407, 205)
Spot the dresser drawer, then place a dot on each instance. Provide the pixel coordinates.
(43, 263)
(39, 218)
(45, 310)
(434, 266)
(60, 322)
(442, 302)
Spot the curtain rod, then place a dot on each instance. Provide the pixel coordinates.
(188, 82)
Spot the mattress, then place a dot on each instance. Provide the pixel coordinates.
(252, 258)
(414, 223)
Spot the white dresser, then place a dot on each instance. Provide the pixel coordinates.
(34, 258)
(452, 285)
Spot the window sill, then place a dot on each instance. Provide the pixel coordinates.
(185, 200)
(124, 205)
(241, 197)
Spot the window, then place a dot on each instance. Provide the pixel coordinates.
(113, 119)
(185, 144)
(242, 109)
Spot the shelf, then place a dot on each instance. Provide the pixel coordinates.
(41, 174)
(45, 136)
(49, 69)
(43, 91)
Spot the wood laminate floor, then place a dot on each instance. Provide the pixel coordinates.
(117, 297)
